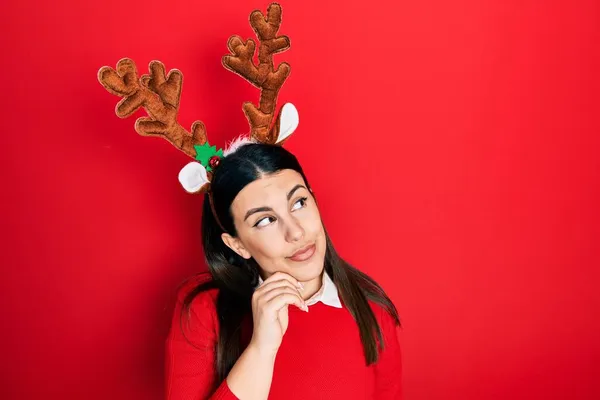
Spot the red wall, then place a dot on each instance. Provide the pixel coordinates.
(454, 147)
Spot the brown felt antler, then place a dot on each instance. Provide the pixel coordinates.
(263, 75)
(159, 95)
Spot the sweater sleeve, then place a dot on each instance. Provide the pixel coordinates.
(190, 358)
(388, 369)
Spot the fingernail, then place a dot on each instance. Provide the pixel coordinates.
(301, 286)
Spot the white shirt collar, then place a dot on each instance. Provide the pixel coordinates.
(327, 294)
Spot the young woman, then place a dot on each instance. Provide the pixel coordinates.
(279, 315)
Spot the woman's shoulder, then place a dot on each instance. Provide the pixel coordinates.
(386, 314)
(195, 315)
(204, 295)
(388, 321)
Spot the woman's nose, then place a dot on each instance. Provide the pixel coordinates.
(294, 232)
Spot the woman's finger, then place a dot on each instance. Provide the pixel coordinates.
(278, 302)
(278, 291)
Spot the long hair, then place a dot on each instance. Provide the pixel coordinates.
(236, 277)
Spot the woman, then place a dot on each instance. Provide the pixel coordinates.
(279, 315)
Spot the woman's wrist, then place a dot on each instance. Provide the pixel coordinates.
(264, 355)
(251, 376)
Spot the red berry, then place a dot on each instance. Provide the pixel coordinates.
(214, 161)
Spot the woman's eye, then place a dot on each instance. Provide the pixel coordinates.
(264, 222)
(301, 201)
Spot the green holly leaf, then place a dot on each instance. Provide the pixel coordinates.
(205, 152)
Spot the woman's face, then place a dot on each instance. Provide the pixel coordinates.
(279, 225)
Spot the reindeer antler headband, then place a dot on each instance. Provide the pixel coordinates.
(159, 94)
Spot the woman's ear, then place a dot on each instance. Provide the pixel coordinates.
(236, 245)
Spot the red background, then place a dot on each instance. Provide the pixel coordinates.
(453, 146)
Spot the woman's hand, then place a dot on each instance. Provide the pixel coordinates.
(252, 374)
(270, 303)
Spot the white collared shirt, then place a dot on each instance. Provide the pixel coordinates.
(327, 294)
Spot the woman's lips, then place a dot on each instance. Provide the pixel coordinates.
(304, 254)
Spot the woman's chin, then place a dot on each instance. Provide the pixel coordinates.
(308, 272)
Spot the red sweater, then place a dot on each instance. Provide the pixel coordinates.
(321, 356)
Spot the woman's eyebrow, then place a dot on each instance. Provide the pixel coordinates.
(256, 210)
(291, 193)
(261, 209)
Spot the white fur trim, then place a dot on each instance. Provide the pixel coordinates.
(236, 144)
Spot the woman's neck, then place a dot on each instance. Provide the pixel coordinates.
(311, 287)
